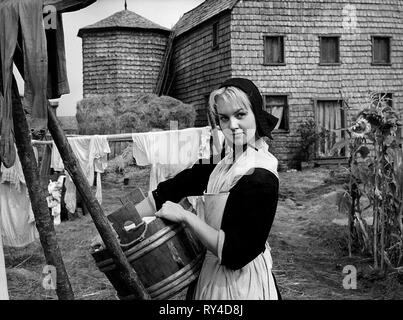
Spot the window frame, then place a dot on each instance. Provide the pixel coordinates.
(338, 62)
(376, 63)
(344, 116)
(283, 63)
(215, 35)
(286, 113)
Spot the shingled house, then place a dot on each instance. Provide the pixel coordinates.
(122, 54)
(305, 56)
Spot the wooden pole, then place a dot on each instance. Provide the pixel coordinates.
(37, 195)
(101, 222)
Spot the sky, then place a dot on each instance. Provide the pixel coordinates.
(163, 12)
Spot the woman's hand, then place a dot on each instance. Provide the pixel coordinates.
(172, 211)
(206, 234)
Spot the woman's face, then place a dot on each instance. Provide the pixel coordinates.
(237, 122)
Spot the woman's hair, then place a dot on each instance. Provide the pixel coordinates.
(229, 94)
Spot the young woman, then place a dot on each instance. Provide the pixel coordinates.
(240, 200)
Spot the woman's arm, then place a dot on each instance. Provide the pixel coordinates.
(248, 217)
(246, 223)
(189, 182)
(206, 234)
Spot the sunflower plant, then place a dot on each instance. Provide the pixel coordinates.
(376, 171)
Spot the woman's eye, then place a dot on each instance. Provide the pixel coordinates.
(223, 119)
(240, 115)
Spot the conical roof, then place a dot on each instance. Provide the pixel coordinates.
(124, 19)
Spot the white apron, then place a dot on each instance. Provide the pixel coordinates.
(255, 280)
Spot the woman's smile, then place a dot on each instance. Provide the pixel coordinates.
(237, 122)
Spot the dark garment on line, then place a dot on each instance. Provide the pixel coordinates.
(57, 81)
(248, 214)
(57, 74)
(23, 40)
(24, 15)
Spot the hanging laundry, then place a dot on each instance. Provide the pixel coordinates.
(170, 152)
(91, 153)
(55, 198)
(17, 221)
(3, 276)
(22, 17)
(172, 147)
(14, 174)
(57, 74)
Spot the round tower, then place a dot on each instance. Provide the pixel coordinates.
(122, 54)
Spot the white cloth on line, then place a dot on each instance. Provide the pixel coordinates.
(55, 198)
(14, 174)
(171, 147)
(17, 221)
(16, 217)
(170, 152)
(91, 153)
(3, 276)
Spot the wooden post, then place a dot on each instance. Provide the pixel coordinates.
(100, 220)
(37, 195)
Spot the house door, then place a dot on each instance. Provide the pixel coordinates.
(330, 118)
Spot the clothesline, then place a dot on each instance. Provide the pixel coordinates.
(119, 137)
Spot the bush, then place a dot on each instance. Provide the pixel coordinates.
(310, 136)
(110, 114)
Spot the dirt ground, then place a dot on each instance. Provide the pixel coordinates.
(309, 251)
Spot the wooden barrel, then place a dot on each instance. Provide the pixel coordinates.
(166, 256)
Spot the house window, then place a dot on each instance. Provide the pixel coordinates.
(381, 50)
(274, 50)
(330, 119)
(215, 36)
(329, 50)
(277, 105)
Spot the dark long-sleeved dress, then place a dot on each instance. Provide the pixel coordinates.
(244, 255)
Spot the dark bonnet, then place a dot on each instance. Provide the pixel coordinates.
(265, 122)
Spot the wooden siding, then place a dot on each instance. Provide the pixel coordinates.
(198, 68)
(121, 62)
(302, 78)
(202, 13)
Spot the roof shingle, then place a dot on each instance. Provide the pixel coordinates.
(201, 13)
(123, 19)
